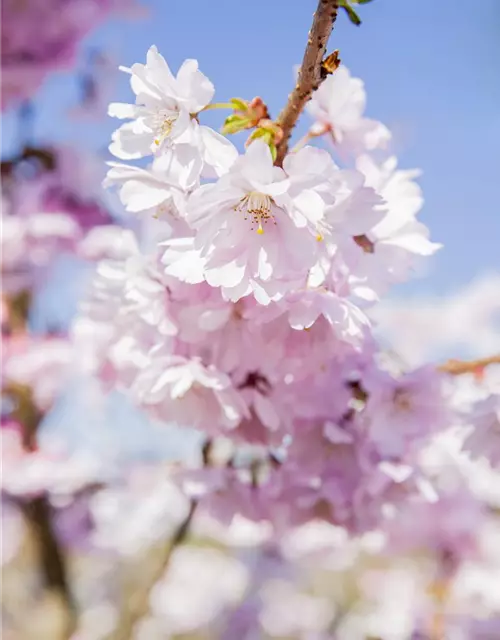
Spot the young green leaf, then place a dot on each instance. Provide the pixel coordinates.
(352, 15)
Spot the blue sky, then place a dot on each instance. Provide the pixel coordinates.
(431, 70)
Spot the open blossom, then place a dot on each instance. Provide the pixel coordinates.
(161, 187)
(400, 240)
(165, 114)
(338, 106)
(404, 411)
(385, 245)
(187, 393)
(304, 308)
(448, 527)
(254, 234)
(352, 206)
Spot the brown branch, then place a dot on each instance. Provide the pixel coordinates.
(459, 367)
(39, 516)
(137, 607)
(310, 74)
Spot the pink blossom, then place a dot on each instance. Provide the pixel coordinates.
(304, 308)
(338, 107)
(159, 189)
(448, 527)
(185, 392)
(405, 410)
(251, 231)
(165, 114)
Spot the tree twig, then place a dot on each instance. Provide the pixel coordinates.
(460, 367)
(138, 607)
(310, 75)
(38, 514)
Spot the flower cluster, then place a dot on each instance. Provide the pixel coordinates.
(246, 318)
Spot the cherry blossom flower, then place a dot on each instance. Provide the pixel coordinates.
(251, 230)
(304, 308)
(185, 392)
(399, 239)
(402, 411)
(159, 189)
(338, 106)
(165, 114)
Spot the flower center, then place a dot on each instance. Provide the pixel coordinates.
(164, 121)
(259, 207)
(402, 400)
(164, 210)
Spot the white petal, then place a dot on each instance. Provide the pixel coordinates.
(266, 412)
(194, 86)
(181, 166)
(413, 238)
(181, 387)
(214, 318)
(160, 71)
(122, 110)
(257, 163)
(127, 144)
(228, 275)
(139, 196)
(310, 205)
(219, 153)
(182, 261)
(265, 267)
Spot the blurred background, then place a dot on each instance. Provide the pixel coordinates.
(432, 75)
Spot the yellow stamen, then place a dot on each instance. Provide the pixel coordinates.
(259, 206)
(163, 124)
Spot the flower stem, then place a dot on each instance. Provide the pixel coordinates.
(218, 105)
